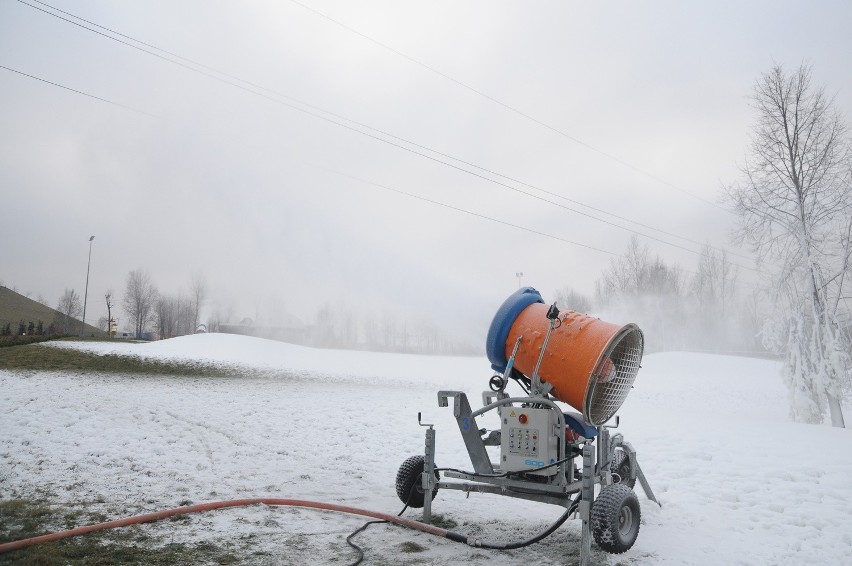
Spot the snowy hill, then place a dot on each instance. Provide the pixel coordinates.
(738, 482)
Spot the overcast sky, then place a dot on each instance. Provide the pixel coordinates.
(639, 109)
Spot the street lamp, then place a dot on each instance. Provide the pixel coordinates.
(519, 274)
(86, 295)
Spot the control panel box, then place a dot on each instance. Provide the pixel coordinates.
(528, 439)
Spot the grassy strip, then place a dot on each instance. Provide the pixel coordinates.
(22, 518)
(6, 341)
(35, 357)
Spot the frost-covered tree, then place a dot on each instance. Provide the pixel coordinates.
(794, 202)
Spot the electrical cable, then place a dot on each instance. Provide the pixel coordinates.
(377, 138)
(404, 193)
(357, 548)
(547, 532)
(78, 91)
(462, 169)
(458, 209)
(506, 106)
(363, 527)
(498, 221)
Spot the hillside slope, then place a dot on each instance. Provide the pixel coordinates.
(15, 307)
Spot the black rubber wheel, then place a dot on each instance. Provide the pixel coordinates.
(621, 465)
(615, 518)
(409, 482)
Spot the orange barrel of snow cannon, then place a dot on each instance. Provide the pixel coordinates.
(590, 364)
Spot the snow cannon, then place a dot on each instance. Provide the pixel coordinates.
(586, 362)
(541, 452)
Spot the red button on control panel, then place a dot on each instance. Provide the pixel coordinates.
(522, 418)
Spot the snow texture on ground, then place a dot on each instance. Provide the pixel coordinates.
(738, 482)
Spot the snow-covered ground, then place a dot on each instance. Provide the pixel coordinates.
(738, 482)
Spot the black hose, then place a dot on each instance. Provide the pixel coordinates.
(464, 539)
(363, 527)
(547, 532)
(357, 548)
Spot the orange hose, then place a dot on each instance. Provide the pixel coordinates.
(159, 515)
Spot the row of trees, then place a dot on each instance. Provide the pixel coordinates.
(170, 315)
(341, 327)
(678, 309)
(28, 329)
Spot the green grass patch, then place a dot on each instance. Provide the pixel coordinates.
(444, 522)
(22, 518)
(409, 547)
(6, 341)
(45, 358)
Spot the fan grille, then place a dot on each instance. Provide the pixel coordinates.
(613, 378)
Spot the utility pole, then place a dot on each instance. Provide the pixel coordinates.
(519, 275)
(86, 294)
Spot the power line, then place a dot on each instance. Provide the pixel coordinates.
(374, 184)
(254, 90)
(77, 91)
(507, 106)
(463, 210)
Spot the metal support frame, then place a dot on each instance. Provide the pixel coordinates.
(488, 478)
(586, 498)
(635, 469)
(604, 456)
(470, 433)
(428, 477)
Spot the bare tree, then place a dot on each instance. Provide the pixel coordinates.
(713, 290)
(794, 201)
(646, 290)
(174, 315)
(198, 290)
(185, 315)
(326, 327)
(108, 299)
(165, 316)
(213, 321)
(371, 331)
(70, 307)
(139, 297)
